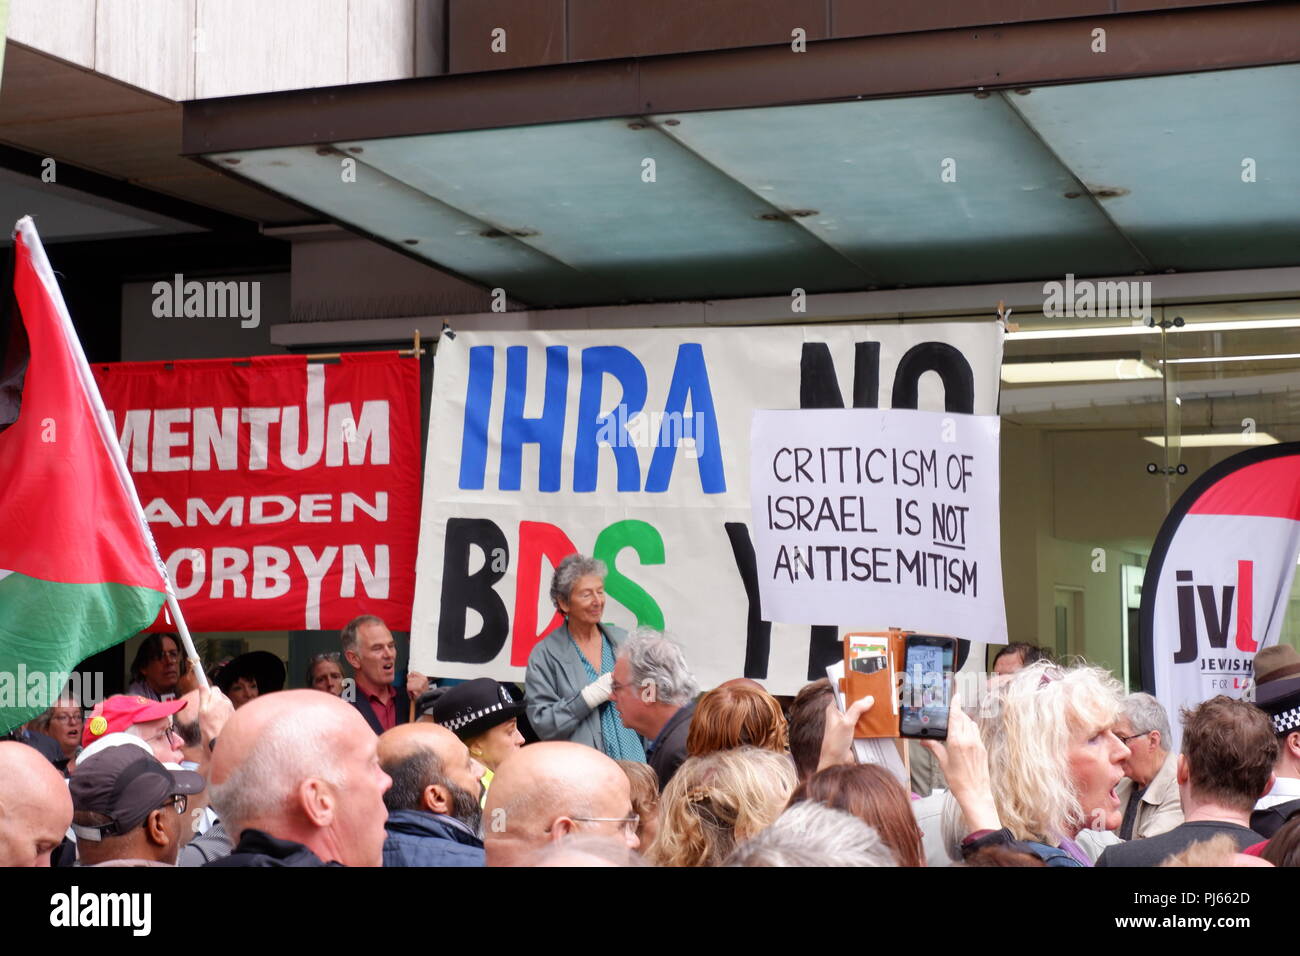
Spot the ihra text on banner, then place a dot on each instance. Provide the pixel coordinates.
(632, 446)
(879, 518)
(282, 494)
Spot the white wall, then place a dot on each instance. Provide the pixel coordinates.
(186, 49)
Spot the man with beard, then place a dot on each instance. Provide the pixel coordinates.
(433, 806)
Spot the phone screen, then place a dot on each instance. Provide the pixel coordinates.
(926, 688)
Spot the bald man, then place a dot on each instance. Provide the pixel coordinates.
(546, 791)
(35, 808)
(588, 850)
(296, 778)
(434, 811)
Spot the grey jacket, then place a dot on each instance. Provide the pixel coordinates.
(553, 689)
(212, 845)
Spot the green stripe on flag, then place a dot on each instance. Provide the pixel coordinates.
(48, 628)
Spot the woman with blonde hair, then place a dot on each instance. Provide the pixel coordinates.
(717, 801)
(1045, 766)
(645, 799)
(738, 713)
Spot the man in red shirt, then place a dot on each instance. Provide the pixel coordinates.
(369, 647)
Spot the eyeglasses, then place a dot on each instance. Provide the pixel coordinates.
(168, 732)
(630, 824)
(178, 800)
(65, 718)
(1125, 740)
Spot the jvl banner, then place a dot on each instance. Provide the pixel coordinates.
(633, 446)
(879, 518)
(1217, 585)
(282, 494)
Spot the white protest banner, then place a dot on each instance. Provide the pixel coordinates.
(633, 446)
(879, 518)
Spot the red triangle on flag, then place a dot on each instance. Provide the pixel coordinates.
(66, 514)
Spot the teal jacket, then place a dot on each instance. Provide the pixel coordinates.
(553, 689)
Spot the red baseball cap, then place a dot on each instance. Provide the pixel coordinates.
(121, 711)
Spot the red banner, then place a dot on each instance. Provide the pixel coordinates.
(283, 495)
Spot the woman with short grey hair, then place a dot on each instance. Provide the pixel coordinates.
(570, 675)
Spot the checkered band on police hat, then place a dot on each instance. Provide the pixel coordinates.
(1280, 699)
(475, 707)
(465, 719)
(1287, 721)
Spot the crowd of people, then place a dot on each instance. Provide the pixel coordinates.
(612, 756)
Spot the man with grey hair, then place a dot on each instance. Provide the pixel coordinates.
(296, 780)
(655, 694)
(1149, 791)
(812, 834)
(369, 647)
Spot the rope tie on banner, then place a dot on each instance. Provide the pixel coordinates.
(1004, 315)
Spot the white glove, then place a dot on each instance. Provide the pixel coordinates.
(599, 690)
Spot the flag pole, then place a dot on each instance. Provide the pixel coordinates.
(183, 630)
(106, 433)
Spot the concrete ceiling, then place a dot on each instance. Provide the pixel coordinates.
(1182, 173)
(54, 109)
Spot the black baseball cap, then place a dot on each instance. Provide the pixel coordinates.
(125, 784)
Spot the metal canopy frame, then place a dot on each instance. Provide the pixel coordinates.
(992, 57)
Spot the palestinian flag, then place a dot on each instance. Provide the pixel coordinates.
(78, 568)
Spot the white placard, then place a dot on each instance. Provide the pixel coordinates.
(879, 518)
(633, 445)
